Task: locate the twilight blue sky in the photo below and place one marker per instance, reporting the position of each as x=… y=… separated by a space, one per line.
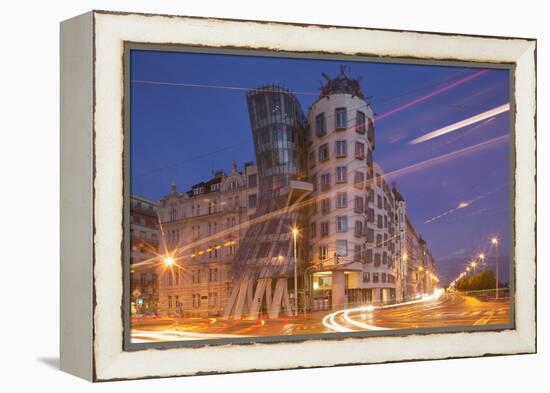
x=182 y=134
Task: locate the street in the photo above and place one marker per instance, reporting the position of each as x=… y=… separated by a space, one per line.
x=439 y=310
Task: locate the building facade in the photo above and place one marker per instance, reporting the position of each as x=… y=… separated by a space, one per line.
x=315 y=177
x=144 y=245
x=266 y=258
x=202 y=229
x=352 y=223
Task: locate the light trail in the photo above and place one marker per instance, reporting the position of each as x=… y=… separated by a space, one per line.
x=463 y=205
x=141 y=336
x=463 y=134
x=181 y=251
x=461 y=124
x=430 y=95
x=329 y=321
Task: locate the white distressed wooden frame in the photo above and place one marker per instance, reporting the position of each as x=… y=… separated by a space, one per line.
x=92 y=194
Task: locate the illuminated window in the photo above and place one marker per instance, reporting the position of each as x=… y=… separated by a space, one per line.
x=342 y=247
x=323 y=251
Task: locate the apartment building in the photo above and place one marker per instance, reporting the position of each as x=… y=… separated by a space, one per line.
x=202 y=228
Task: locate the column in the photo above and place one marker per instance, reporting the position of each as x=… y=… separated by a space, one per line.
x=338 y=289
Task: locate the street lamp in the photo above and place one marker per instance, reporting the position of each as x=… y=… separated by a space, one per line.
x=168 y=261
x=295 y=235
x=495 y=242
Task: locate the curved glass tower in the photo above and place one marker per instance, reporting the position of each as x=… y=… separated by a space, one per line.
x=278 y=129
x=266 y=255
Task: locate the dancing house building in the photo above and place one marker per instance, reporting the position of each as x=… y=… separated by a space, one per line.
x=320 y=228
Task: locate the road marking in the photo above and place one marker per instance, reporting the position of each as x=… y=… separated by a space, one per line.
x=484 y=320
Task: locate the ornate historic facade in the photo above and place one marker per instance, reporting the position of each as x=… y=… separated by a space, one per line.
x=205 y=226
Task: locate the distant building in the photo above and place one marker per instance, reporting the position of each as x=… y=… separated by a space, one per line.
x=205 y=226
x=144 y=245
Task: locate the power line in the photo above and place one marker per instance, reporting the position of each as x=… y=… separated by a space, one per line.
x=197 y=157
x=205 y=86
x=268 y=90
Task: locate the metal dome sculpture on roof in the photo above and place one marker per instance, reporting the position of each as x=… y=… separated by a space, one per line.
x=341 y=84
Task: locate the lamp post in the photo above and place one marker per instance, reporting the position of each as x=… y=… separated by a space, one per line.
x=295 y=235
x=495 y=242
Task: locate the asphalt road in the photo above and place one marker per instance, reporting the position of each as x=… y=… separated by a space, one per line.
x=450 y=309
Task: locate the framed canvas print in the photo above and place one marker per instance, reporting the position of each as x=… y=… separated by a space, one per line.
x=244 y=195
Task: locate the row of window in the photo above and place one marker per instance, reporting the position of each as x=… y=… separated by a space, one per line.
x=143 y=279
x=378 y=277
x=360 y=230
x=341 y=177
x=215 y=251
x=233 y=185
x=341 y=198
x=341 y=122
x=173 y=301
x=173 y=277
x=143 y=235
x=173 y=235
x=360 y=254
x=231 y=203
x=341 y=151
x=139 y=220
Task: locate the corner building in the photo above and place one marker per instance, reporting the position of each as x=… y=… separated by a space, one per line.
x=352 y=229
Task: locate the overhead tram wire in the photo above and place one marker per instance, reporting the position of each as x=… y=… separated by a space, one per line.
x=246 y=89
x=204 y=86
x=242 y=88
x=194 y=158
x=328 y=116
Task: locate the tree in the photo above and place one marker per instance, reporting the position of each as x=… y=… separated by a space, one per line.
x=482 y=280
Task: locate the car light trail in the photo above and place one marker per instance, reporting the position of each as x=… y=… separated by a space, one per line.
x=461 y=124
x=463 y=205
x=431 y=94
x=329 y=321
x=139 y=336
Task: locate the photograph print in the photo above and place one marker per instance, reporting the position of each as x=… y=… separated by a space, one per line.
x=279 y=196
